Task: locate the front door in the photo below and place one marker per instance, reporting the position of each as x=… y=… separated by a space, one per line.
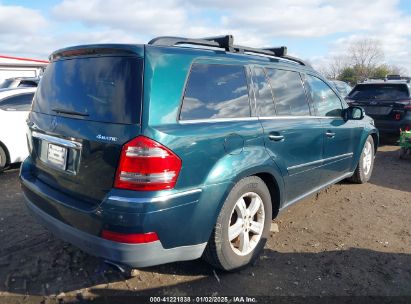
x=292 y=136
x=340 y=137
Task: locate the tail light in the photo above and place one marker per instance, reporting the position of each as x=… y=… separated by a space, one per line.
x=397 y=116
x=147 y=165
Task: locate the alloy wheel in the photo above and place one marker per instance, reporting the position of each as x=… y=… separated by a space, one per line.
x=246 y=223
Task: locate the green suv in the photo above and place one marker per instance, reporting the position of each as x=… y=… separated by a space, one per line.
x=184 y=148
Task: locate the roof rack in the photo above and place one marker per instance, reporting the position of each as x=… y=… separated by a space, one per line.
x=278 y=51
x=226 y=42
x=387 y=79
x=393 y=77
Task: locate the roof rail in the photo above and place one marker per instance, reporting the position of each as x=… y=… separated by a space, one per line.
x=277 y=52
x=226 y=42
x=379 y=79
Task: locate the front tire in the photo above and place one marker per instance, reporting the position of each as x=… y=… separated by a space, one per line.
x=242 y=226
x=365 y=166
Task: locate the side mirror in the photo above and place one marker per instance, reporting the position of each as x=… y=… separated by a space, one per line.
x=353 y=113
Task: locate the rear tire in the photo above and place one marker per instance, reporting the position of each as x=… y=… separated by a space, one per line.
x=3 y=159
x=365 y=166
x=242 y=226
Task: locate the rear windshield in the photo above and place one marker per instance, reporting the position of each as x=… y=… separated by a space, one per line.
x=380 y=91
x=106 y=89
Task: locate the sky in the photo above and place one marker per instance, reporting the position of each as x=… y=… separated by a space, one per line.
x=314 y=30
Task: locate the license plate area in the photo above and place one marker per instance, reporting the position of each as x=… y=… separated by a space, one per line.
x=57 y=156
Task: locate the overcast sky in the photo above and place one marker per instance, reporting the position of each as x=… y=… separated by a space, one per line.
x=312 y=29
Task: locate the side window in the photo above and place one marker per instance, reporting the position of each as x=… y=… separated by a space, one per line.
x=216 y=91
x=288 y=93
x=17 y=103
x=263 y=94
x=326 y=102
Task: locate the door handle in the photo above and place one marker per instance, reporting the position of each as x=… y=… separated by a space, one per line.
x=330 y=134
x=276 y=137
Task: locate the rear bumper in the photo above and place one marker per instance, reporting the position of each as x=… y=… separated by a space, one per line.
x=183 y=220
x=140 y=255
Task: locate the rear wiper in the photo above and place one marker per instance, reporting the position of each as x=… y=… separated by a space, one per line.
x=64 y=111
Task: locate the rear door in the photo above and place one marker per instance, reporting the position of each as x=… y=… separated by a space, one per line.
x=216 y=117
x=85 y=109
x=341 y=138
x=292 y=136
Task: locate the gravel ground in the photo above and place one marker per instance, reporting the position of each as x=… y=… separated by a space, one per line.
x=348 y=240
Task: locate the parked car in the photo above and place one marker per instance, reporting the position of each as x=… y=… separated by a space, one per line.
x=14 y=108
x=388 y=102
x=16 y=82
x=149 y=154
x=342 y=87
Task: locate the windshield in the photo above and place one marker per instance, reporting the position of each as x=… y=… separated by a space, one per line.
x=380 y=92
x=106 y=89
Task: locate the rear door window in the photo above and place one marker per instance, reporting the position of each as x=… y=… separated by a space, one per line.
x=17 y=103
x=289 y=95
x=380 y=92
x=216 y=91
x=105 y=89
x=326 y=102
x=263 y=94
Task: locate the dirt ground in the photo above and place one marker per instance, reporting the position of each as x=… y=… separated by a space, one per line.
x=347 y=240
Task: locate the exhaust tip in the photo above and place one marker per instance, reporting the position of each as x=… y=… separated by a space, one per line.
x=127 y=271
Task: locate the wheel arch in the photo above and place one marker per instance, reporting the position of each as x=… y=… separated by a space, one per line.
x=376 y=139
x=357 y=153
x=272 y=179
x=217 y=188
x=274 y=189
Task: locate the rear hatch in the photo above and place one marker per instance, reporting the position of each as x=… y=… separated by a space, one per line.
x=87 y=106
x=385 y=101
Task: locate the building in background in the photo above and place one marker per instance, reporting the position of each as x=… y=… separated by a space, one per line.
x=20 y=67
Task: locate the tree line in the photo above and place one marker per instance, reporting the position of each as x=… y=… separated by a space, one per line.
x=363 y=58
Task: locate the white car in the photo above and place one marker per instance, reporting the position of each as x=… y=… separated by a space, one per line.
x=15 y=105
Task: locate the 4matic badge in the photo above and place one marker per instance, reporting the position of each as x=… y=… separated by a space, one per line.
x=108 y=138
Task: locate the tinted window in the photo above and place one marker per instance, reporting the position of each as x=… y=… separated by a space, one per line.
x=263 y=95
x=215 y=91
x=17 y=103
x=326 y=102
x=380 y=91
x=288 y=93
x=106 y=89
